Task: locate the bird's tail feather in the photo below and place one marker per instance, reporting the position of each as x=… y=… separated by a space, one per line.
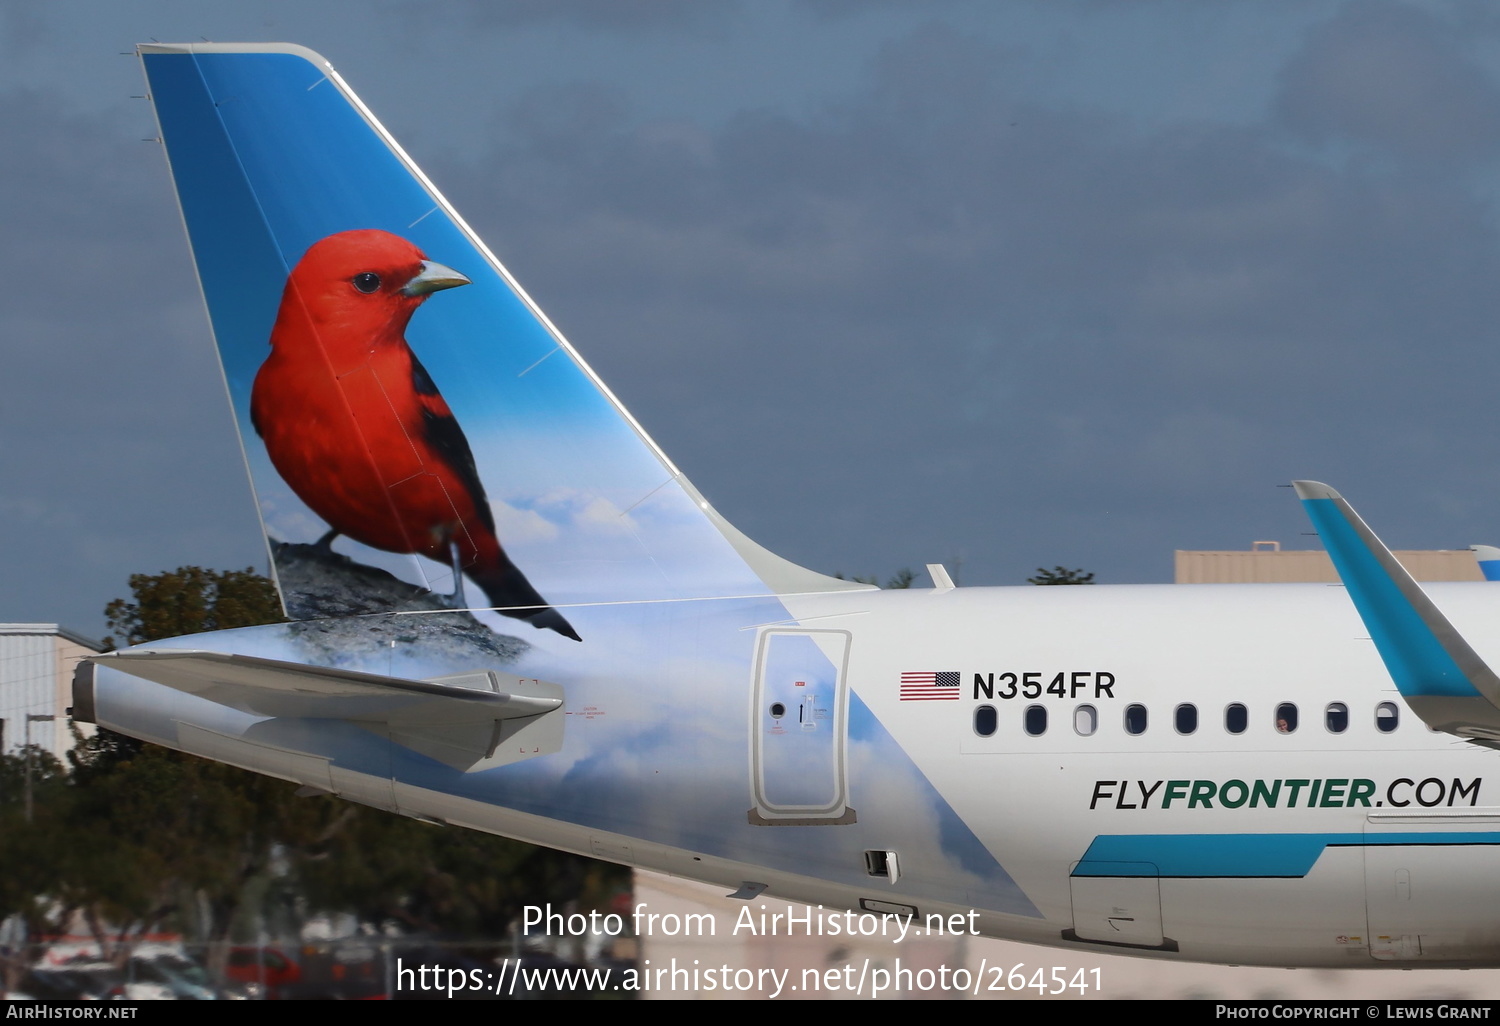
x=511 y=594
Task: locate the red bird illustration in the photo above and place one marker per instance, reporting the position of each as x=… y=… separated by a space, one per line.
x=356 y=427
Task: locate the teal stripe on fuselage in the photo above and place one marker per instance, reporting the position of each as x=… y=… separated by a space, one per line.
x=1239 y=855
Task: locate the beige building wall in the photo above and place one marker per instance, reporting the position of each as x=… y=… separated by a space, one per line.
x=36 y=679
x=1268 y=565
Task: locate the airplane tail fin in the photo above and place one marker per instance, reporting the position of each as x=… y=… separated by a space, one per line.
x=1488 y=558
x=408 y=415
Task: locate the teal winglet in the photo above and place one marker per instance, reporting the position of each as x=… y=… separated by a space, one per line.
x=1441 y=677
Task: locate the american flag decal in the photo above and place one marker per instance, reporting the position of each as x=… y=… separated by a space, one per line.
x=930 y=686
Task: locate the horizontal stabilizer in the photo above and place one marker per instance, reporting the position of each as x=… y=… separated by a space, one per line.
x=1437 y=672
x=463 y=721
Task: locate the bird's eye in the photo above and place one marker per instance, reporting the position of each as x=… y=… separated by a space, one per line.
x=367 y=282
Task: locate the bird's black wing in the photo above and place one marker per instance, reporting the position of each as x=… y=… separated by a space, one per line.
x=442 y=432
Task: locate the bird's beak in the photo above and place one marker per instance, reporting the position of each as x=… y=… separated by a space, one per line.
x=434 y=278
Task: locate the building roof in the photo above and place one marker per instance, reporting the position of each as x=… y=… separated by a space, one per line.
x=52 y=629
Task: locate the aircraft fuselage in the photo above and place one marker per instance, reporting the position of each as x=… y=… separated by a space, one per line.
x=1027 y=753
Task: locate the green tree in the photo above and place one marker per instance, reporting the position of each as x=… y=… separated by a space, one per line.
x=902 y=578
x=187 y=833
x=1060 y=575
x=191 y=600
x=445 y=881
x=34 y=852
x=190 y=835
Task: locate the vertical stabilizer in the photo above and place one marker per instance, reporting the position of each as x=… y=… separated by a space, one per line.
x=1488 y=558
x=418 y=434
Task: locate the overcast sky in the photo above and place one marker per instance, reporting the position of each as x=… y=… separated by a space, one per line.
x=1015 y=285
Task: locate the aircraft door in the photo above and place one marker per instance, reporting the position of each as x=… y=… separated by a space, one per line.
x=1123 y=907
x=799 y=729
x=1432 y=886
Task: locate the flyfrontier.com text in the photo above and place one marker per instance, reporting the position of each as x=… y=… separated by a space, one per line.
x=1306 y=793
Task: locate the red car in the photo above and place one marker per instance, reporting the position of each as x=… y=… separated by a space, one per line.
x=270 y=968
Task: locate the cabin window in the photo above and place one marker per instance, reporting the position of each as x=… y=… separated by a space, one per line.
x=1386 y=717
x=1135 y=719
x=1085 y=720
x=1286 y=718
x=1036 y=720
x=1337 y=718
x=1186 y=718
x=1236 y=719
x=984 y=720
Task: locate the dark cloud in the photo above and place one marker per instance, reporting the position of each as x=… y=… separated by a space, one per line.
x=118 y=456
x=690 y=16
x=1395 y=78
x=943 y=315
x=831 y=10
x=23 y=26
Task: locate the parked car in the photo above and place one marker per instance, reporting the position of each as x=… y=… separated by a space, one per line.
x=181 y=978
x=273 y=969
